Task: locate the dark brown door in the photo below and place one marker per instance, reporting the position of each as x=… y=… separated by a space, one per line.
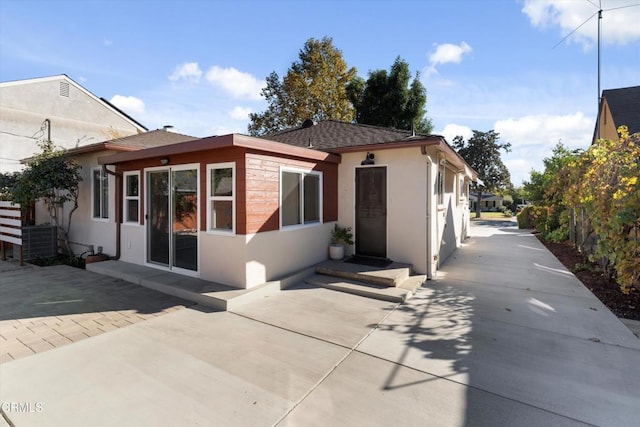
x=371 y=211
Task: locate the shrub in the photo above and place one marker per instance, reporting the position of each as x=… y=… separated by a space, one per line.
x=533 y=217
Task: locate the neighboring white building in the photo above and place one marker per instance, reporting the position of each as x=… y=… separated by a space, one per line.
x=490 y=202
x=58 y=109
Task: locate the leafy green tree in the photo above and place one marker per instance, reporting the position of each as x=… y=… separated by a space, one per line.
x=482 y=153
x=549 y=189
x=8 y=180
x=391 y=99
x=54 y=179
x=315 y=87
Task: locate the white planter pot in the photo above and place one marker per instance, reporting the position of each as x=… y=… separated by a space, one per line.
x=336 y=251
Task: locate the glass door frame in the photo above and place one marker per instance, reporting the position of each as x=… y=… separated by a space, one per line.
x=170 y=169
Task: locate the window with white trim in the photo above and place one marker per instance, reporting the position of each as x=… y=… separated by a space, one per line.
x=132 y=197
x=221 y=190
x=100 y=190
x=440 y=185
x=300 y=197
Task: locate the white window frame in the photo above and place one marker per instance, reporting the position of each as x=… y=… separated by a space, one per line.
x=232 y=198
x=97 y=216
x=440 y=183
x=302 y=172
x=126 y=198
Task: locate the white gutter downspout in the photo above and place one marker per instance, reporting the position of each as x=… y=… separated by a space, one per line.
x=118 y=178
x=429 y=218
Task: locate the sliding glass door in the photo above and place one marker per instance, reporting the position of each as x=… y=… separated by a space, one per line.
x=172 y=218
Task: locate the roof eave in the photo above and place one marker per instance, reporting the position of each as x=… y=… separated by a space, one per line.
x=218 y=142
x=427 y=141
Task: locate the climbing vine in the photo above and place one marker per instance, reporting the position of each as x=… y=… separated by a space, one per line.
x=604 y=183
x=609 y=190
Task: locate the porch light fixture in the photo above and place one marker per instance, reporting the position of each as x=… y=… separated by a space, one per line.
x=164 y=161
x=368 y=160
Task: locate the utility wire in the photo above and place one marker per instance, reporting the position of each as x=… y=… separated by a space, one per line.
x=600 y=10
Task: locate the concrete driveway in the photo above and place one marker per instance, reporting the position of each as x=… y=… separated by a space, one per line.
x=505 y=337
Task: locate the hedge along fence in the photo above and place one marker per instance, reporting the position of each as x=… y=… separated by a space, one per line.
x=534 y=217
x=10 y=228
x=581 y=232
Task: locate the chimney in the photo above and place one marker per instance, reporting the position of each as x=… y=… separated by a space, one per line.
x=168 y=128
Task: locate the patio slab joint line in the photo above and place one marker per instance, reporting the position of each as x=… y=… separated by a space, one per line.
x=338 y=363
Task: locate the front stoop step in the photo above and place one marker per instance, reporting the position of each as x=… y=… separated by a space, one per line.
x=369 y=290
x=393 y=275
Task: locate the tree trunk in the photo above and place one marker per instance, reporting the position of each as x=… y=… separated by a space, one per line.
x=479 y=192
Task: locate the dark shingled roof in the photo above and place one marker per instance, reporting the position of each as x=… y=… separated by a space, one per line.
x=330 y=135
x=624 y=104
x=140 y=141
x=152 y=138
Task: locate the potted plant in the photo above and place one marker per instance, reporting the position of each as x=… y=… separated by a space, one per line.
x=339 y=237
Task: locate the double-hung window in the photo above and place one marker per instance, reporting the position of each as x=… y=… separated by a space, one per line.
x=100 y=184
x=132 y=197
x=221 y=190
x=300 y=197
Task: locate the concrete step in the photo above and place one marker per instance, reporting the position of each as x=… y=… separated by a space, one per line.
x=370 y=290
x=392 y=275
x=209 y=294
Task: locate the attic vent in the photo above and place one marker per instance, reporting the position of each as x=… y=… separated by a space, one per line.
x=64 y=89
x=307 y=123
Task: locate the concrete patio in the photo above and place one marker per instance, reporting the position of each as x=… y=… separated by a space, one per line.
x=505 y=336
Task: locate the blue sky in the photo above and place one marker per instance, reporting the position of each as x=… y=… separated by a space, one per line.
x=200 y=65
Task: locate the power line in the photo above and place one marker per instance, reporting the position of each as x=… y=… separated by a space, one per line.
x=19 y=136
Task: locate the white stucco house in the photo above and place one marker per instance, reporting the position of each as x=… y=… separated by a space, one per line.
x=58 y=109
x=94 y=222
x=490 y=202
x=241 y=211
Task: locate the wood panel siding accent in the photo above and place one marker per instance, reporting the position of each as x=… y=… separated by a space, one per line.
x=262 y=192
x=263 y=189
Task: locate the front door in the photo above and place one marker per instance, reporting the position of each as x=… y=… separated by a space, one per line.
x=172 y=218
x=371 y=211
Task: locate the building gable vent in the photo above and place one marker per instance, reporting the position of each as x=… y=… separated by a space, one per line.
x=64 y=89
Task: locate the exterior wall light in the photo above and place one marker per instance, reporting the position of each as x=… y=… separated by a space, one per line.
x=164 y=161
x=368 y=160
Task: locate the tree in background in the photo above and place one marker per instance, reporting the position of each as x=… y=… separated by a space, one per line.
x=549 y=190
x=391 y=99
x=54 y=179
x=482 y=153
x=315 y=87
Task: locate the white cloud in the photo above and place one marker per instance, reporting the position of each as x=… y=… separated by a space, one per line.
x=533 y=137
x=189 y=71
x=237 y=83
x=240 y=113
x=619 y=19
x=446 y=53
x=107 y=42
x=574 y=130
x=129 y=104
x=449 y=53
x=452 y=130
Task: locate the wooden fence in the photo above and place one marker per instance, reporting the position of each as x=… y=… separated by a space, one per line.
x=10 y=228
